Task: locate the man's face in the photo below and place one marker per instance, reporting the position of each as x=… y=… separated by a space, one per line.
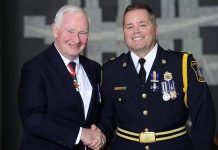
x=72 y=35
x=139 y=31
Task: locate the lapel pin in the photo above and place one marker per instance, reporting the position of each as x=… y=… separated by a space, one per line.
x=124 y=65
x=163 y=61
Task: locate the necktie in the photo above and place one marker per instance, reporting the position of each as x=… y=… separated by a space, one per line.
x=72 y=70
x=142 y=72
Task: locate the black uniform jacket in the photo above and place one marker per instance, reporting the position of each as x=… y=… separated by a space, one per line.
x=50 y=107
x=136 y=107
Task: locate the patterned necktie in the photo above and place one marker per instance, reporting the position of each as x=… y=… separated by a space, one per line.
x=142 y=72
x=72 y=70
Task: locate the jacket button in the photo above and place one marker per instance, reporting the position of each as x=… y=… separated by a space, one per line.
x=144 y=95
x=145 y=112
x=147 y=148
x=146 y=129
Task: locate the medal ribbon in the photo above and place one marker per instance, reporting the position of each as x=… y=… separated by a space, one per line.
x=163 y=87
x=154 y=77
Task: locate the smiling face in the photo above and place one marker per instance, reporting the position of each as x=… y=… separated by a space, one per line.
x=71 y=35
x=139 y=32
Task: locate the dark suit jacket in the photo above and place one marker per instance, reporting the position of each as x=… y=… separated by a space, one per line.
x=51 y=109
x=134 y=106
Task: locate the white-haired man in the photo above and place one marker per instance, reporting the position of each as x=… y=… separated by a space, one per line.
x=59 y=99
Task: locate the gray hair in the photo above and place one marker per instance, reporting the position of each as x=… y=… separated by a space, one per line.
x=64 y=9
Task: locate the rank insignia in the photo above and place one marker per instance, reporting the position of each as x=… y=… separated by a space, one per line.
x=197 y=71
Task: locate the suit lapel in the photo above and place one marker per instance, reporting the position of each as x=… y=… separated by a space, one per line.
x=60 y=68
x=93 y=81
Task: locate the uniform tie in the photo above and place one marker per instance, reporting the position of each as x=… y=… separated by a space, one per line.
x=72 y=70
x=142 y=72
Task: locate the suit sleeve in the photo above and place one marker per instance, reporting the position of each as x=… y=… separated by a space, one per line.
x=33 y=107
x=201 y=108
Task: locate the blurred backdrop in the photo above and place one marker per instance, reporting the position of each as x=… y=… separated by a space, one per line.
x=25 y=28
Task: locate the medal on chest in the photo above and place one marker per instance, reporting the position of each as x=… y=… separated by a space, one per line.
x=154 y=80
x=168 y=88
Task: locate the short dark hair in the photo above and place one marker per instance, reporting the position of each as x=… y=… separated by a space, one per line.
x=136 y=6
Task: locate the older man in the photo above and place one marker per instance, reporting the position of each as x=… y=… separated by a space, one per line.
x=59 y=90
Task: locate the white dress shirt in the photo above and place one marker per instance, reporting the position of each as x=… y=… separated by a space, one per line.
x=150 y=57
x=85 y=87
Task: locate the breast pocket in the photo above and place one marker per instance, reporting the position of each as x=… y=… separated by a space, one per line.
x=123 y=106
x=168 y=108
x=121 y=97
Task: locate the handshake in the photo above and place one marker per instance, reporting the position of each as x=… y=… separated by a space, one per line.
x=93 y=138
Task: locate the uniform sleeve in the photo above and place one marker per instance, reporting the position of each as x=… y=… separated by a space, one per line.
x=201 y=108
x=107 y=116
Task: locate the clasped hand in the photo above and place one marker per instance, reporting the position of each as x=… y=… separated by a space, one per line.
x=93 y=138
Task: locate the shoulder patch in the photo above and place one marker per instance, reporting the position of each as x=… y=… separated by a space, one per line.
x=196 y=69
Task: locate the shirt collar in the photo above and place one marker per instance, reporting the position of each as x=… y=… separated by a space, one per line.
x=67 y=61
x=149 y=57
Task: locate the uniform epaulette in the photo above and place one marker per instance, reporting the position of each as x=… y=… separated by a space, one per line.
x=180 y=52
x=186 y=52
x=109 y=60
x=173 y=51
x=113 y=58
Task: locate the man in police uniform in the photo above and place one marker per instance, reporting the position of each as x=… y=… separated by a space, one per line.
x=149 y=93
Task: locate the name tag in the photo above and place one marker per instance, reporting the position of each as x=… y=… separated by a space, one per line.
x=120 y=88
